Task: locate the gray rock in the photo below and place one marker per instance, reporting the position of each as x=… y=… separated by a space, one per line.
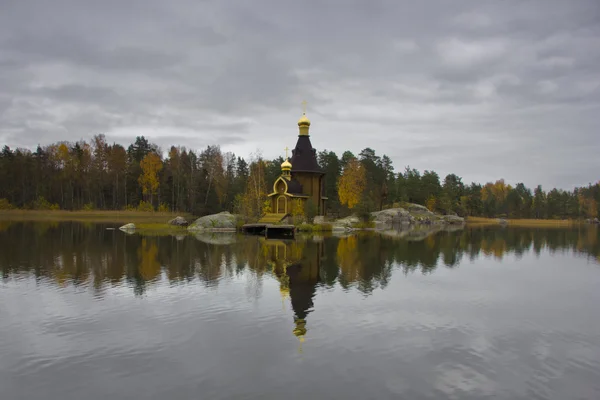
x=502 y=221
x=345 y=223
x=417 y=208
x=319 y=219
x=220 y=221
x=178 y=221
x=392 y=216
x=128 y=227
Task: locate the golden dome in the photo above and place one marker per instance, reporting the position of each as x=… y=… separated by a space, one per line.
x=303 y=121
x=300 y=329
x=286 y=165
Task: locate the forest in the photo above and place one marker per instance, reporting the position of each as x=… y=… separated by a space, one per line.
x=96 y=175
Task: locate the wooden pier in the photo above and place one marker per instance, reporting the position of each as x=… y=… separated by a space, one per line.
x=269 y=230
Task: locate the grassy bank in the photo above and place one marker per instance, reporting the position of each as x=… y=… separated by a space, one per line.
x=91 y=216
x=314 y=228
x=525 y=223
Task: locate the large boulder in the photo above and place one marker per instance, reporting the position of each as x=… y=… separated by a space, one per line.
x=178 y=221
x=220 y=221
x=319 y=219
x=417 y=208
x=393 y=216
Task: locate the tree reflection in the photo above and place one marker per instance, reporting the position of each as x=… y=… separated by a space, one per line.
x=88 y=254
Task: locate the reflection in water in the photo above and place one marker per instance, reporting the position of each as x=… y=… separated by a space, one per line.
x=388 y=315
x=296 y=265
x=74 y=253
x=88 y=254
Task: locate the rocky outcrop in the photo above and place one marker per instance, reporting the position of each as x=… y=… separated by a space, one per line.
x=413 y=214
x=178 y=221
x=393 y=216
x=215 y=222
x=417 y=208
x=410 y=215
x=128 y=227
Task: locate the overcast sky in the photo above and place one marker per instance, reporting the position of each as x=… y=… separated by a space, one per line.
x=484 y=89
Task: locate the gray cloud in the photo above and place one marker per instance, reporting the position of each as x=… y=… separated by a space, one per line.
x=485 y=90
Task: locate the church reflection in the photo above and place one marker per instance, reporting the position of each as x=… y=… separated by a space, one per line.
x=296 y=265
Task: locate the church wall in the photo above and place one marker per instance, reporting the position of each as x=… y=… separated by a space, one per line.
x=311 y=186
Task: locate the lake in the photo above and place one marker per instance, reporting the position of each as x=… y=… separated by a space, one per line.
x=484 y=312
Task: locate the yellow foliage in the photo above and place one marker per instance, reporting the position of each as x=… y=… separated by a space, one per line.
x=148 y=180
x=63 y=154
x=297 y=207
x=145 y=206
x=348 y=258
x=352 y=183
x=431 y=202
x=267 y=206
x=498 y=190
x=251 y=203
x=298 y=211
x=5 y=205
x=149 y=267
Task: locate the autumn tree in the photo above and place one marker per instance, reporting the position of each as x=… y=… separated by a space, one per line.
x=252 y=202
x=352 y=184
x=151 y=165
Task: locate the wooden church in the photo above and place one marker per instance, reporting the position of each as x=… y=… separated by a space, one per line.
x=301 y=179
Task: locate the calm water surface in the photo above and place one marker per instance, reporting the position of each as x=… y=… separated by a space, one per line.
x=91 y=313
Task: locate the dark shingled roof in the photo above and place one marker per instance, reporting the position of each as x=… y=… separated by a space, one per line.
x=304 y=157
x=294 y=187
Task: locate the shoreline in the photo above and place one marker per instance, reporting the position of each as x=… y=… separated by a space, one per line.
x=523 y=223
x=157 y=221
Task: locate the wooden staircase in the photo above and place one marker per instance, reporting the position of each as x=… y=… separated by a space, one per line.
x=272 y=218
